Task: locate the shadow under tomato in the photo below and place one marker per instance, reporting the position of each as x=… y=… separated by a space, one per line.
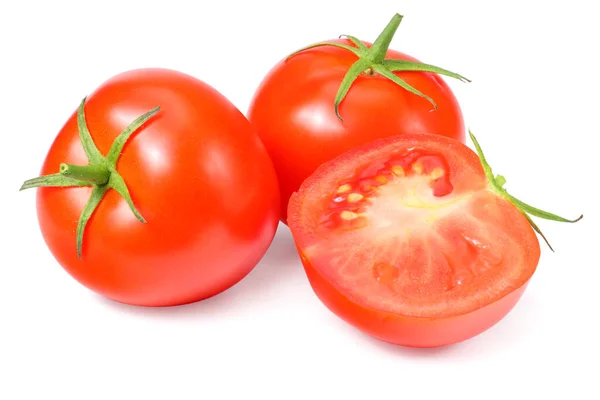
x=279 y=265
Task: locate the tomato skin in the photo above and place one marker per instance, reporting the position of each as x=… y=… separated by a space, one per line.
x=349 y=295
x=293 y=111
x=406 y=330
x=198 y=174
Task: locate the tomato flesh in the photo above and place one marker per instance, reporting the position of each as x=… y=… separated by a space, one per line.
x=407 y=226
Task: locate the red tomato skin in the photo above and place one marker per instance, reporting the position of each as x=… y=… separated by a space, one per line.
x=293 y=111
x=197 y=173
x=406 y=330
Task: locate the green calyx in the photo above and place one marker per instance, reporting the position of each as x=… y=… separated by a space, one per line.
x=100 y=173
x=372 y=61
x=497 y=182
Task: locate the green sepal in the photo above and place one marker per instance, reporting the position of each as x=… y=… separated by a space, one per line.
x=321 y=44
x=372 y=61
x=117 y=183
x=97 y=195
x=496 y=184
x=54 y=180
x=355 y=70
x=537 y=229
x=360 y=45
x=402 y=83
x=100 y=173
x=406 y=65
x=117 y=146
x=91 y=151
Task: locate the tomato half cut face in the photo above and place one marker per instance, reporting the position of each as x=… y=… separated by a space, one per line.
x=404 y=239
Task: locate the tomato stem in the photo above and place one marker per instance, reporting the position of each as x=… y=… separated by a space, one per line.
x=496 y=184
x=101 y=172
x=97 y=174
x=372 y=61
x=382 y=43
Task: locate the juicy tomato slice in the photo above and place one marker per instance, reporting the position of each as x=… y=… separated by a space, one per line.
x=404 y=239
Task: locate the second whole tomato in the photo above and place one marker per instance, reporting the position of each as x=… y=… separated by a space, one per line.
x=159 y=207
x=333 y=96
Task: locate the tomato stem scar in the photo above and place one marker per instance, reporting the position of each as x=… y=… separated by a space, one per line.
x=372 y=61
x=369 y=71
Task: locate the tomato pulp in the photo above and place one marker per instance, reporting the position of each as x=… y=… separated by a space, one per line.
x=405 y=239
x=198 y=175
x=295 y=108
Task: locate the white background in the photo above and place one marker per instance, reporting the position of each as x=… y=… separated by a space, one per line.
x=533 y=104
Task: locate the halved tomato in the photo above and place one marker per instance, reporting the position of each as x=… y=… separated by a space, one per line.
x=413 y=240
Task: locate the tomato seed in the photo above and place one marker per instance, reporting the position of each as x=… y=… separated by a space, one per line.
x=347 y=215
x=344 y=188
x=354 y=197
x=381 y=179
x=417 y=168
x=437 y=173
x=398 y=170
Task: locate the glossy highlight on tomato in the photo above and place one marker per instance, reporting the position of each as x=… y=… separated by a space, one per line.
x=197 y=174
x=406 y=239
x=331 y=97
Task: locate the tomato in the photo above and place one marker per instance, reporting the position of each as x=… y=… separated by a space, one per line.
x=195 y=203
x=337 y=95
x=412 y=240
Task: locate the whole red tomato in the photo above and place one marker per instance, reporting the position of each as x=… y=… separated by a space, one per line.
x=334 y=96
x=174 y=208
